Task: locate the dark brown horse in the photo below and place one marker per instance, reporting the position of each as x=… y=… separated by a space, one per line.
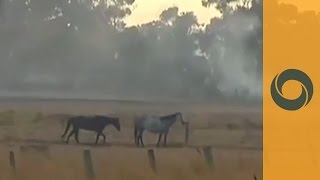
x=90 y=123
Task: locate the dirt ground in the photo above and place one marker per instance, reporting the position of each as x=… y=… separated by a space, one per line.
x=32 y=130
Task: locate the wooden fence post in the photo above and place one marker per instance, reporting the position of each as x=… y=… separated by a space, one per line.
x=88 y=164
x=152 y=160
x=12 y=162
x=186 y=140
x=208 y=155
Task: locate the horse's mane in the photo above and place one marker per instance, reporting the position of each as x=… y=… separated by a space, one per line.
x=166 y=117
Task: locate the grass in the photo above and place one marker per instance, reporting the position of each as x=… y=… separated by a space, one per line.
x=124 y=161
x=130 y=163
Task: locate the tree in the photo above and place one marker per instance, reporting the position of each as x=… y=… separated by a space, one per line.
x=233 y=43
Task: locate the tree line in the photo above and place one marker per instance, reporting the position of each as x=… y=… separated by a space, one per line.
x=85 y=46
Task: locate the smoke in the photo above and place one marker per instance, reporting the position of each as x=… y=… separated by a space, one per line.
x=76 y=50
x=236 y=62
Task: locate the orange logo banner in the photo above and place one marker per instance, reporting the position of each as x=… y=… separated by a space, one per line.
x=291 y=104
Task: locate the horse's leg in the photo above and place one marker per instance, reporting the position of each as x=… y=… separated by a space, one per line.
x=70 y=134
x=97 y=139
x=137 y=139
x=104 y=137
x=140 y=137
x=135 y=134
x=76 y=135
x=165 y=138
x=160 y=135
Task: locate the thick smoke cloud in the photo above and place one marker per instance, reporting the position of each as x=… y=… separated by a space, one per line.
x=84 y=49
x=237 y=62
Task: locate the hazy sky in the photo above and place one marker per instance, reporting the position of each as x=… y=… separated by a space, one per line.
x=148 y=10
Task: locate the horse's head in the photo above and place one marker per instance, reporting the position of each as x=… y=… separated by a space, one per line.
x=116 y=123
x=179 y=116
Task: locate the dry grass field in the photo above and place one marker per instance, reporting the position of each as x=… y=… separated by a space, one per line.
x=32 y=130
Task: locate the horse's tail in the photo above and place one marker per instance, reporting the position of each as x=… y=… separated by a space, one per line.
x=67 y=128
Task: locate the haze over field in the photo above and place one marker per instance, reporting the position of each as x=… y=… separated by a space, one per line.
x=85 y=49
x=201 y=58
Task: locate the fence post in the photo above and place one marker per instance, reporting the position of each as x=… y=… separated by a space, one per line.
x=186 y=140
x=88 y=164
x=12 y=162
x=152 y=160
x=208 y=155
